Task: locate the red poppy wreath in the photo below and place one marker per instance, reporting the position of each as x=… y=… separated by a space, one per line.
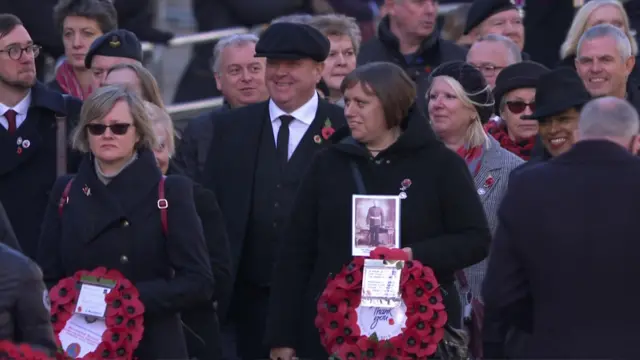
x=115 y=336
x=11 y=351
x=411 y=330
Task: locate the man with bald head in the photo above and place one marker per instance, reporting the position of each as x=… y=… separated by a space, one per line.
x=544 y=268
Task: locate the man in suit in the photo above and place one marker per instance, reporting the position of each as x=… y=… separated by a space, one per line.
x=567 y=229
x=28 y=133
x=257 y=158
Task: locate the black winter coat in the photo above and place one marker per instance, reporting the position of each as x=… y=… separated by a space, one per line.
x=441 y=220
x=119 y=226
x=7 y=236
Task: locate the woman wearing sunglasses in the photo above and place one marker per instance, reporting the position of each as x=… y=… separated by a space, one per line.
x=514 y=93
x=112 y=216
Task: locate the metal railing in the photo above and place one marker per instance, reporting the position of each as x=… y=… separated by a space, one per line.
x=187 y=110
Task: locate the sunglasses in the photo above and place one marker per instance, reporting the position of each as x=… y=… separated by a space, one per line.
x=116 y=129
x=518 y=107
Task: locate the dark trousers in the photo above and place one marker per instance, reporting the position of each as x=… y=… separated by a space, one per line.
x=250 y=320
x=374 y=235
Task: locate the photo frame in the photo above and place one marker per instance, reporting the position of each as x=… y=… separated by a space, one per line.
x=375 y=222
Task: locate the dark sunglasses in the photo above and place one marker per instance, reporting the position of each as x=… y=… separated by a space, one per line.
x=518 y=107
x=116 y=129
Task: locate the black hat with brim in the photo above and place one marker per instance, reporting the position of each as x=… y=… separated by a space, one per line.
x=558 y=90
x=290 y=41
x=116 y=43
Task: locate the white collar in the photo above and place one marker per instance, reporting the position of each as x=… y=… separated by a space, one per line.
x=22 y=108
x=305 y=113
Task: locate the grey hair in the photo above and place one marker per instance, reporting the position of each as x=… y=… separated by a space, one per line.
x=338 y=25
x=294 y=18
x=228 y=41
x=159 y=117
x=515 y=54
x=100 y=103
x=607 y=117
x=605 y=30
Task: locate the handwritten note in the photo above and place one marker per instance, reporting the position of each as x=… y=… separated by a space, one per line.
x=79 y=337
x=91 y=300
x=381 y=284
x=385 y=323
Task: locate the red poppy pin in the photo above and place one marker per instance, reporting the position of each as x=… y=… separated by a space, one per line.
x=403 y=188
x=489 y=181
x=325 y=133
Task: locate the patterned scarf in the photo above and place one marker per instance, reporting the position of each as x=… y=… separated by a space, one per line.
x=66 y=78
x=473 y=157
x=498 y=129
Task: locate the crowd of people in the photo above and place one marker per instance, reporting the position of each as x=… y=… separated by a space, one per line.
x=522 y=178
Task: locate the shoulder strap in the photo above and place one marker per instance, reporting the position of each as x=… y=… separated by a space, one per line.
x=357 y=177
x=61 y=139
x=64 y=198
x=163 y=204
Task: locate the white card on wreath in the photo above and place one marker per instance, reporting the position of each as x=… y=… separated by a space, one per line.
x=375 y=223
x=381 y=283
x=91 y=300
x=80 y=337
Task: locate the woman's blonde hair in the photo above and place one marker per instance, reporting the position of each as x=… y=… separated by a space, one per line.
x=579 y=26
x=150 y=89
x=338 y=25
x=159 y=117
x=475 y=135
x=100 y=103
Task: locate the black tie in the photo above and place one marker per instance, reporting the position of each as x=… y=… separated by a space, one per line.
x=282 y=148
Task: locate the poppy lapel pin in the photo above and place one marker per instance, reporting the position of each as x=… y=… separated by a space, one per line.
x=404 y=185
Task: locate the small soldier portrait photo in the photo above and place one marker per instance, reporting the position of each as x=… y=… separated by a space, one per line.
x=376 y=222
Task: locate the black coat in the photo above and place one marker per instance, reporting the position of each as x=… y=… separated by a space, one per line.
x=7 y=236
x=202 y=326
x=441 y=220
x=119 y=227
x=26 y=178
x=232 y=159
x=545 y=268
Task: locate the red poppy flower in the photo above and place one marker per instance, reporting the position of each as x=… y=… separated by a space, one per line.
x=410 y=271
x=79 y=274
x=99 y=272
x=412 y=341
x=406 y=183
x=104 y=351
x=349 y=352
x=435 y=301
x=418 y=308
x=386 y=253
x=369 y=347
x=136 y=334
x=420 y=323
x=439 y=318
x=116 y=322
x=63 y=292
x=127 y=289
x=116 y=337
x=489 y=181
x=113 y=274
x=133 y=308
x=327 y=131
x=59 y=320
x=351 y=281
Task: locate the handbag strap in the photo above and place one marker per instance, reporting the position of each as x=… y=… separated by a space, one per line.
x=357 y=176
x=163 y=204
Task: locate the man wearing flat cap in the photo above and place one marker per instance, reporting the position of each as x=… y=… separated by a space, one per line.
x=257 y=157
x=500 y=17
x=113 y=48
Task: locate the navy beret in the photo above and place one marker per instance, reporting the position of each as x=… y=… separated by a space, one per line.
x=517 y=76
x=293 y=42
x=116 y=43
x=481 y=10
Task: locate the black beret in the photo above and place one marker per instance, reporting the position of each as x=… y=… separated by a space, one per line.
x=517 y=76
x=481 y=10
x=293 y=42
x=116 y=43
x=473 y=83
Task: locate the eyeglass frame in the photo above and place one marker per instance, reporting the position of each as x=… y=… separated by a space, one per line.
x=33 y=48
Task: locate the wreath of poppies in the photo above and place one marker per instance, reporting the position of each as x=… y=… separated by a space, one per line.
x=123 y=316
x=337 y=319
x=11 y=351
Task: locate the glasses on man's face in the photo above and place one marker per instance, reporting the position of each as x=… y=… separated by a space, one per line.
x=518 y=107
x=116 y=129
x=15 y=52
x=488 y=70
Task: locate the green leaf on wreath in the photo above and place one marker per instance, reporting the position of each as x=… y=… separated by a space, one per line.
x=327 y=123
x=374 y=337
x=399 y=265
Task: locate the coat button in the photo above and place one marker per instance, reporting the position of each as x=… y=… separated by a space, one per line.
x=124 y=259
x=279 y=186
x=125 y=223
x=275 y=224
x=276 y=205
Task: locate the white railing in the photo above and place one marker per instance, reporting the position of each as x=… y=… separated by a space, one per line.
x=188 y=109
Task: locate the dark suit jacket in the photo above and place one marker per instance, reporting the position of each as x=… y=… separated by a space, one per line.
x=232 y=162
x=7 y=236
x=565 y=251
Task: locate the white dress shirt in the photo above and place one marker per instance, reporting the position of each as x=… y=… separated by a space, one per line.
x=21 y=109
x=303 y=117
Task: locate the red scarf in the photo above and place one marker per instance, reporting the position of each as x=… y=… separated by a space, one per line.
x=66 y=78
x=498 y=129
x=473 y=157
